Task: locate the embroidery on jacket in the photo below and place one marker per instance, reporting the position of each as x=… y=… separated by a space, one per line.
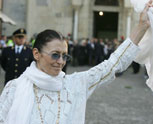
x=110 y=69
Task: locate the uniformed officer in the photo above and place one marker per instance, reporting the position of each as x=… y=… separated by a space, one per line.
x=15 y=59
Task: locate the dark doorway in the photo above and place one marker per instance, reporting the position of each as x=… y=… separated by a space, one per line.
x=106 y=26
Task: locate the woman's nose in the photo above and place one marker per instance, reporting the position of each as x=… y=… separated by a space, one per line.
x=60 y=60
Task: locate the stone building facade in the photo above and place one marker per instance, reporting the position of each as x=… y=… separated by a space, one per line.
x=74 y=17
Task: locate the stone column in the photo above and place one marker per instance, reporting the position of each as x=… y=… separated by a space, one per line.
x=75 y=25
x=128 y=7
x=76 y=4
x=128 y=26
x=1 y=1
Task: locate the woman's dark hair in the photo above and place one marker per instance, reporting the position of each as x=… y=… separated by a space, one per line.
x=46 y=36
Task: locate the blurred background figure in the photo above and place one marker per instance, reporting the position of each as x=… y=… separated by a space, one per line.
x=135 y=67
x=15 y=59
x=91 y=50
x=3 y=41
x=99 y=51
x=75 y=53
x=82 y=53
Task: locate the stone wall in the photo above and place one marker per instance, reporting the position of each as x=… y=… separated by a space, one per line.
x=56 y=15
x=16 y=10
x=84 y=17
x=38 y=15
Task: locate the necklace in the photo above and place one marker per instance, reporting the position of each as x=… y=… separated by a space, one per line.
x=38 y=103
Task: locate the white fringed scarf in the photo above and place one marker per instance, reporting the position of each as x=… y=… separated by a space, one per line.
x=22 y=106
x=145 y=56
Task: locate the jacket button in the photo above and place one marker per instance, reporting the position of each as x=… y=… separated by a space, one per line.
x=15 y=70
x=17 y=59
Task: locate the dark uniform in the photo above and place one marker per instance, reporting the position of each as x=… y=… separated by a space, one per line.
x=15 y=64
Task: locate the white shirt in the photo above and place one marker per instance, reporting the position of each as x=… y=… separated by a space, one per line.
x=76 y=90
x=18 y=49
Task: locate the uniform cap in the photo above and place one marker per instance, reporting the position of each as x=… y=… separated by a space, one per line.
x=20 y=31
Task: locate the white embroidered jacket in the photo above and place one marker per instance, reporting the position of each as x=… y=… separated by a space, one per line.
x=77 y=89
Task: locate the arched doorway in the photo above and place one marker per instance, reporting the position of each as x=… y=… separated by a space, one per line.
x=105 y=22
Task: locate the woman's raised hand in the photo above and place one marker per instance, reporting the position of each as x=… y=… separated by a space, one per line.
x=144 y=20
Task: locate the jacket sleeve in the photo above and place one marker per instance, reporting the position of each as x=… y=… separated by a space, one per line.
x=105 y=71
x=6 y=100
x=3 y=59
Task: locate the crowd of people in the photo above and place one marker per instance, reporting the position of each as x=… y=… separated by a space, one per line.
x=7 y=41
x=84 y=51
x=91 y=51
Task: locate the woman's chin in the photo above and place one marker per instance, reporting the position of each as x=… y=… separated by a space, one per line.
x=55 y=72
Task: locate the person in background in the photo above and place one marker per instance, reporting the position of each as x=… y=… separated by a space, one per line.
x=3 y=41
x=135 y=67
x=15 y=59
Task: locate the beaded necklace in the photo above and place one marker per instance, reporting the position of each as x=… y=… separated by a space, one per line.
x=38 y=103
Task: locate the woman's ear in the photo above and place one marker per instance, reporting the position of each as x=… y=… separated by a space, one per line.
x=36 y=54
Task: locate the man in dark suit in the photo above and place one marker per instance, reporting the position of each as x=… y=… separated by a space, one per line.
x=99 y=52
x=15 y=59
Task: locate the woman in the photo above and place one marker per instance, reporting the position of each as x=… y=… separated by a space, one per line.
x=43 y=94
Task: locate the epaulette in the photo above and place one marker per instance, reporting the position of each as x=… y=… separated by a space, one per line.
x=12 y=47
x=24 y=47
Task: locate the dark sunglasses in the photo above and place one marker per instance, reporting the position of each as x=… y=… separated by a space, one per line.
x=19 y=36
x=56 y=56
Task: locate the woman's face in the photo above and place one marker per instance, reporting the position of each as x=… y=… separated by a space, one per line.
x=44 y=60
